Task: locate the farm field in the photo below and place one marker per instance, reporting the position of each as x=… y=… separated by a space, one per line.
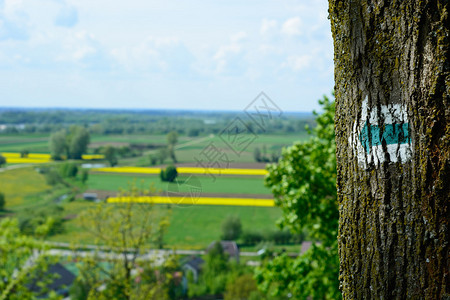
x=191 y=226
x=196 y=226
x=20 y=184
x=207 y=171
x=222 y=184
x=236 y=189
x=194 y=200
x=187 y=149
x=40 y=158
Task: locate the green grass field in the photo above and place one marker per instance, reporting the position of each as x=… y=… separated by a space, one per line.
x=222 y=184
x=272 y=143
x=20 y=185
x=187 y=149
x=197 y=226
x=191 y=227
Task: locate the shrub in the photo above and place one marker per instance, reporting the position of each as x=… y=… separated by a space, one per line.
x=257 y=154
x=252 y=238
x=153 y=160
x=52 y=177
x=124 y=151
x=69 y=170
x=30 y=219
x=280 y=237
x=169 y=174
x=275 y=157
x=192 y=132
x=172 y=154
x=110 y=155
x=2 y=160
x=84 y=176
x=2 y=201
x=24 y=153
x=163 y=153
x=241 y=288
x=231 y=228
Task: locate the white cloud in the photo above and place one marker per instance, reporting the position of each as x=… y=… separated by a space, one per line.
x=12 y=7
x=164 y=45
x=67 y=16
x=267 y=26
x=298 y=63
x=155 y=54
x=227 y=55
x=13 y=21
x=292 y=27
x=238 y=37
x=78 y=46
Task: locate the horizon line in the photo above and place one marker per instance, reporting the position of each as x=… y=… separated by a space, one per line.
x=136 y=109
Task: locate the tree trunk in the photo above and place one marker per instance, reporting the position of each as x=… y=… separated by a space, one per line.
x=392 y=135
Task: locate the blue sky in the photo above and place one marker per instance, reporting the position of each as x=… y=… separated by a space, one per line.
x=210 y=55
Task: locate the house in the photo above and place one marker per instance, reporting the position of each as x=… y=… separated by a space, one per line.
x=60 y=280
x=306 y=245
x=229 y=247
x=90 y=196
x=193 y=265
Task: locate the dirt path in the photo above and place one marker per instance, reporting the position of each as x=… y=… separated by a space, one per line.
x=193 y=142
x=18 y=166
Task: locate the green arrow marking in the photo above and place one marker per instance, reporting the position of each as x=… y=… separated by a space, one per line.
x=373 y=135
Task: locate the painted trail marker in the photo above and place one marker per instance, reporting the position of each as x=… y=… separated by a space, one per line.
x=369 y=135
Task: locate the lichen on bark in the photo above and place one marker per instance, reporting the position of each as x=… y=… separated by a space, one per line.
x=393 y=231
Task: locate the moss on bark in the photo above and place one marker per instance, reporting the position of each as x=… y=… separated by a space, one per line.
x=393 y=232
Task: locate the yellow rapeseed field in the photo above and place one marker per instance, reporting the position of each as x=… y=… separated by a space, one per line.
x=30 y=155
x=36 y=158
x=221 y=171
x=26 y=160
x=139 y=170
x=92 y=156
x=184 y=170
x=194 y=201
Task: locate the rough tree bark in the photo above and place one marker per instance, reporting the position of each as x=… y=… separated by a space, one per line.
x=392 y=134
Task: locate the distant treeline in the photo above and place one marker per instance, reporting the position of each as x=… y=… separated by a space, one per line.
x=190 y=123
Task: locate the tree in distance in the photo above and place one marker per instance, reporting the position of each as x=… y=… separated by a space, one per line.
x=128 y=230
x=24 y=153
x=172 y=139
x=53 y=177
x=193 y=132
x=69 y=170
x=110 y=155
x=153 y=159
x=231 y=228
x=2 y=160
x=84 y=176
x=172 y=154
x=77 y=140
x=73 y=143
x=257 y=154
x=57 y=144
x=169 y=174
x=163 y=153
